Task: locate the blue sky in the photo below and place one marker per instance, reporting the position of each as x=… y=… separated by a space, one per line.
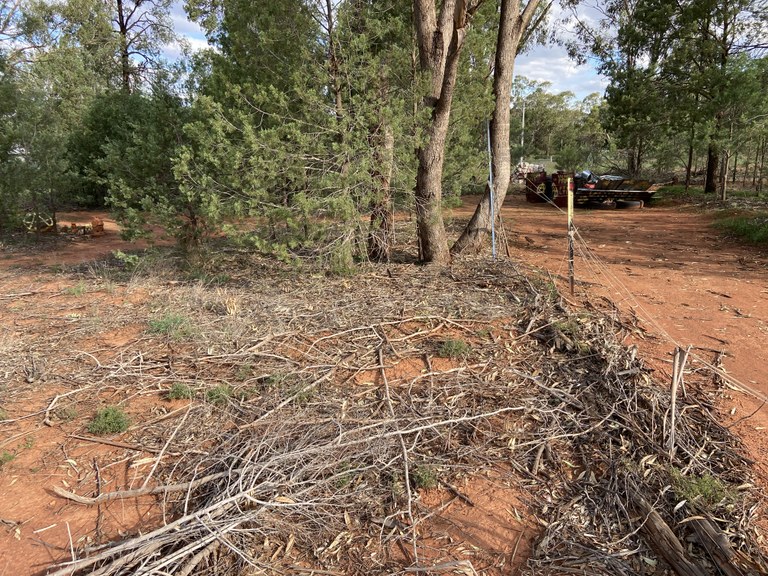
x=542 y=63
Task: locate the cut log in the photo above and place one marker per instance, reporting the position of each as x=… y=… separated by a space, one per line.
x=730 y=562
x=664 y=542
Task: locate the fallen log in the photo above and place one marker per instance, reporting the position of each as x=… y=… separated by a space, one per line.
x=663 y=541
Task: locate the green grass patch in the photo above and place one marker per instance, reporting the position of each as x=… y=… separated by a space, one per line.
x=110 y=420
x=706 y=490
x=750 y=227
x=454 y=348
x=77 y=290
x=179 y=391
x=174 y=326
x=218 y=395
x=6 y=457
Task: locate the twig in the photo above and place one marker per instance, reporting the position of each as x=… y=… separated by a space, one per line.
x=458 y=493
x=47 y=419
x=124 y=494
x=406 y=470
x=114 y=443
x=165 y=447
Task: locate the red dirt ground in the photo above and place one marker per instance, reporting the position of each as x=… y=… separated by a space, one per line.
x=685 y=283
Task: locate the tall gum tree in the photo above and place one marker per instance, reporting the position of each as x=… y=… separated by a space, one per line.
x=513 y=26
x=143 y=27
x=439 y=38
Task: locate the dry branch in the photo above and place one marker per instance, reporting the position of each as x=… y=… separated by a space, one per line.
x=326 y=424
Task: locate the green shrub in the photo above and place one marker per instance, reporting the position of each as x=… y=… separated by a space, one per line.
x=129 y=261
x=180 y=391
x=174 y=326
x=218 y=395
x=110 y=420
x=424 y=477
x=706 y=490
x=454 y=348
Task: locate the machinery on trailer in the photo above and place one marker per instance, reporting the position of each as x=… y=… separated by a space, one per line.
x=588 y=189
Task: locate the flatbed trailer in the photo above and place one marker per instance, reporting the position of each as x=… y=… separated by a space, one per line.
x=585 y=195
x=541 y=187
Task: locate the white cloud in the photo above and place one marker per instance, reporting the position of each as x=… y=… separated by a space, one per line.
x=189 y=32
x=175 y=50
x=552 y=64
x=183 y=25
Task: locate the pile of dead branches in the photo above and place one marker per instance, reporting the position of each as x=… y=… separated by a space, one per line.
x=342 y=399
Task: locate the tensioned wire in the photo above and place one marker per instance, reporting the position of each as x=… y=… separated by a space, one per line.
x=599 y=269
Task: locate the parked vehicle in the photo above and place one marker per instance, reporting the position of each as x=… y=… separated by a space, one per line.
x=588 y=188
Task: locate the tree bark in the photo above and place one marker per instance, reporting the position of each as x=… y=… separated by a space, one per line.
x=713 y=162
x=757 y=161
x=689 y=165
x=663 y=541
x=439 y=43
x=762 y=165
x=125 y=57
x=512 y=26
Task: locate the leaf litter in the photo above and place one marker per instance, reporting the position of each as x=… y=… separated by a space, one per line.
x=334 y=414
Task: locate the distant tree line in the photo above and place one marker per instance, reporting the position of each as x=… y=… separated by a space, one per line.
x=314 y=119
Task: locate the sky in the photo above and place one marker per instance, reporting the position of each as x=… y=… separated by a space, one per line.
x=542 y=63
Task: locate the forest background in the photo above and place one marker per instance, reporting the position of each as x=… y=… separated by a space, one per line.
x=315 y=120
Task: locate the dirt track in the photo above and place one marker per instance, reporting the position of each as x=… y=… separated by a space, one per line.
x=687 y=284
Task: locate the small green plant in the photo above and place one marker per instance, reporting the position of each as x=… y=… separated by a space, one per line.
x=209 y=279
x=180 y=391
x=569 y=327
x=218 y=395
x=174 y=326
x=29 y=443
x=3 y=414
x=454 y=348
x=6 y=457
x=244 y=371
x=706 y=490
x=275 y=380
x=424 y=477
x=485 y=333
x=110 y=420
x=344 y=475
x=67 y=414
x=77 y=290
x=129 y=261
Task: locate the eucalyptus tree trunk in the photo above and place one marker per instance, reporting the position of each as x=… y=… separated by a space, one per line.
x=125 y=57
x=713 y=163
x=512 y=27
x=439 y=38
